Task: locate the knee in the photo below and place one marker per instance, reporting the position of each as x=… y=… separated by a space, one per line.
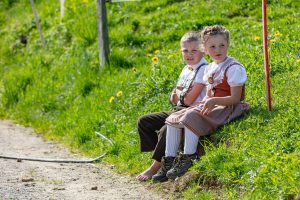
x=142 y=120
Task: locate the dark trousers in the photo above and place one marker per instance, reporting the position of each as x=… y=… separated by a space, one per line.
x=152 y=130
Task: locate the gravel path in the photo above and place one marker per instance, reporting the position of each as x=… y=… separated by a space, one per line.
x=44 y=180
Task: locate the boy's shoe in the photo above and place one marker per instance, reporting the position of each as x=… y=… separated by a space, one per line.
x=166 y=165
x=181 y=165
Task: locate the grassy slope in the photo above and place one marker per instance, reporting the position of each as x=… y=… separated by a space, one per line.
x=62 y=93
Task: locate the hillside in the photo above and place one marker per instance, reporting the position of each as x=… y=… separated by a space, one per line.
x=63 y=93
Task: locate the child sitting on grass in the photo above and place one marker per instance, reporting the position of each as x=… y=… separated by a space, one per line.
x=189 y=90
x=224 y=102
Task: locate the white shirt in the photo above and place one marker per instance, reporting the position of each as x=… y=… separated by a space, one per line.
x=186 y=74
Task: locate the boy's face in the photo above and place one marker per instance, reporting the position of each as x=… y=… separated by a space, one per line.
x=217 y=48
x=191 y=52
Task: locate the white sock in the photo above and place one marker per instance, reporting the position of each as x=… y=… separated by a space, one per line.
x=172 y=140
x=190 y=141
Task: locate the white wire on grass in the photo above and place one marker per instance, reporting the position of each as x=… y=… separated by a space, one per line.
x=53 y=160
x=60 y=160
x=102 y=136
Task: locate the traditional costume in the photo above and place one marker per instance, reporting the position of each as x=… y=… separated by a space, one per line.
x=220 y=77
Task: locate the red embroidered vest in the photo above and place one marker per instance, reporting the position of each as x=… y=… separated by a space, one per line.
x=223 y=89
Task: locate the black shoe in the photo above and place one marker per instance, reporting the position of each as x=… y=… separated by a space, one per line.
x=166 y=165
x=181 y=165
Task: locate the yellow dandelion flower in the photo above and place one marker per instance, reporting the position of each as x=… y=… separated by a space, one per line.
x=277 y=34
x=256 y=38
x=272 y=41
x=120 y=93
x=111 y=99
x=148 y=54
x=155 y=60
x=157 y=51
x=298 y=60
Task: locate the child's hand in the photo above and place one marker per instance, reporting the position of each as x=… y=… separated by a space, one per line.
x=208 y=105
x=178 y=92
x=174 y=98
x=190 y=88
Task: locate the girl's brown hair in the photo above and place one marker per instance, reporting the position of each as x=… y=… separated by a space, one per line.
x=209 y=31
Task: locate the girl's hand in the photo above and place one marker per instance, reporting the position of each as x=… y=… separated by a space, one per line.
x=208 y=105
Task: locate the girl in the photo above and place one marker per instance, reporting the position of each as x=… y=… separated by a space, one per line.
x=224 y=102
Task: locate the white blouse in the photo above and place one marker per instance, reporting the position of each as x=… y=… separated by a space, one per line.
x=236 y=74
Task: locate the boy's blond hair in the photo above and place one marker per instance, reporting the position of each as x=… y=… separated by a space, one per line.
x=191 y=36
x=212 y=31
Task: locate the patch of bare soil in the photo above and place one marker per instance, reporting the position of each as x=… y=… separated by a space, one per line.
x=45 y=180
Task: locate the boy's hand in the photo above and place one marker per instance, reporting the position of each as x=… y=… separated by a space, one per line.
x=190 y=88
x=174 y=97
x=178 y=92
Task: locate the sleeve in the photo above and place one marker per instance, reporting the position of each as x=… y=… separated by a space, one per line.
x=236 y=75
x=199 y=76
x=180 y=78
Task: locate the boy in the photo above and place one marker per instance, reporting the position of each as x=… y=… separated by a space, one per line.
x=190 y=90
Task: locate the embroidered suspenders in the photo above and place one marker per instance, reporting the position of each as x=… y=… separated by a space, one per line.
x=185 y=89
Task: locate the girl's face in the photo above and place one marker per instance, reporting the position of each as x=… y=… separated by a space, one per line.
x=217 y=47
x=191 y=52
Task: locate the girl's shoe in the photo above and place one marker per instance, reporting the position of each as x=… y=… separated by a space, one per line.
x=181 y=165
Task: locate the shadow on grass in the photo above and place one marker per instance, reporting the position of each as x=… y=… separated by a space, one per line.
x=256 y=113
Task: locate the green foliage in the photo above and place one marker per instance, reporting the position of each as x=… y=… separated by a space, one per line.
x=78 y=12
x=63 y=93
x=15 y=86
x=8 y=3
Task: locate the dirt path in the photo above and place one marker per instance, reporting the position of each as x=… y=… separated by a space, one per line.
x=44 y=180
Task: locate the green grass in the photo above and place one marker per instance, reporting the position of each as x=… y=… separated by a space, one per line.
x=63 y=93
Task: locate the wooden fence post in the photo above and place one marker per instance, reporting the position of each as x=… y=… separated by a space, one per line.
x=103 y=40
x=38 y=24
x=62 y=8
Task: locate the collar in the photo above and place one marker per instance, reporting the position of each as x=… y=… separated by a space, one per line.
x=228 y=57
x=194 y=67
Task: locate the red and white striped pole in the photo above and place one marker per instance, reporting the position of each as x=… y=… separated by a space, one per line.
x=266 y=56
